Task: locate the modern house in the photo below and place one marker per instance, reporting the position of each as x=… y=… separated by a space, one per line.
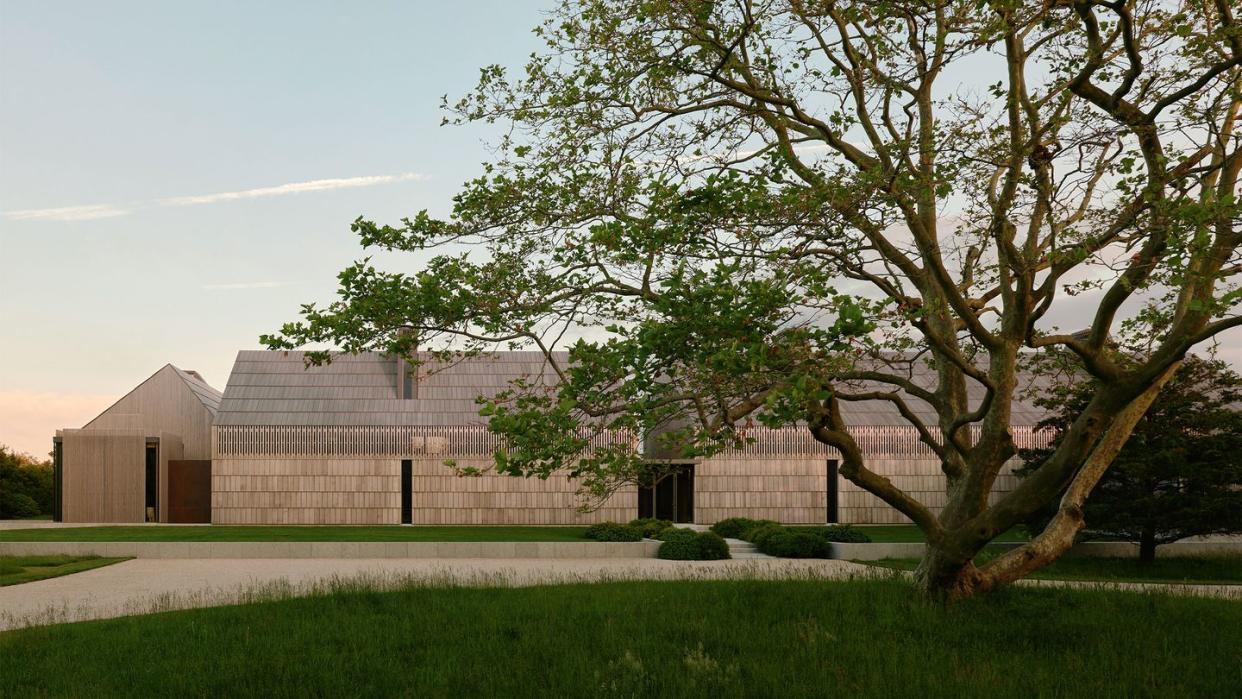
x=367 y=440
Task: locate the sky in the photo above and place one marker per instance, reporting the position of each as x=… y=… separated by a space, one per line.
x=177 y=178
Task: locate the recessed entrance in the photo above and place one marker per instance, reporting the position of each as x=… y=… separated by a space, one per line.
x=671 y=497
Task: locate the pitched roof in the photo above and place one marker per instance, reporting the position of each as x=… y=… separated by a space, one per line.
x=277 y=388
x=208 y=396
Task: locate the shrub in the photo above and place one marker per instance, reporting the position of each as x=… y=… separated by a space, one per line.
x=713 y=547
x=844 y=534
x=759 y=535
x=613 y=531
x=650 y=527
x=677 y=534
x=789 y=544
x=16 y=505
x=733 y=527
x=756 y=525
x=688 y=545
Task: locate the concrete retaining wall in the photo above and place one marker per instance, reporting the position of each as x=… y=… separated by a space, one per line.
x=334 y=549
x=1096 y=549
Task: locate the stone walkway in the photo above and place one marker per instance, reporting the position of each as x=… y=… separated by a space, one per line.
x=142 y=586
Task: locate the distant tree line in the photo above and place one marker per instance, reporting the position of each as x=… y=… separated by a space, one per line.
x=26 y=485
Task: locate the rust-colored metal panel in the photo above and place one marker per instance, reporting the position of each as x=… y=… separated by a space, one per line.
x=189 y=491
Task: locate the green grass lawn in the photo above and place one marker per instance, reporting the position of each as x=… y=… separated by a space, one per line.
x=910 y=534
x=700 y=638
x=1224 y=570
x=295 y=533
x=22 y=569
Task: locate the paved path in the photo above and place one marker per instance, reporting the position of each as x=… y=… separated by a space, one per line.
x=141 y=586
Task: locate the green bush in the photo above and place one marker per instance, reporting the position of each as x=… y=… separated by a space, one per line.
x=760 y=534
x=713 y=547
x=650 y=526
x=844 y=534
x=677 y=534
x=688 y=545
x=17 y=505
x=755 y=526
x=613 y=531
x=733 y=527
x=790 y=544
x=22 y=475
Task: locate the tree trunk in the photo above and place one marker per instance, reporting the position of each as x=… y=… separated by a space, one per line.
x=947 y=577
x=1147 y=546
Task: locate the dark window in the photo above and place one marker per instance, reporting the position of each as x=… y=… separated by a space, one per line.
x=407 y=491
x=153 y=469
x=832 y=491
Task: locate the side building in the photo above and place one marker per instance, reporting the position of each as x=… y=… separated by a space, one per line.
x=119 y=467
x=365 y=440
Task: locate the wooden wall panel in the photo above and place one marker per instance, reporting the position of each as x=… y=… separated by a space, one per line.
x=921 y=477
x=162 y=403
x=171 y=449
x=305 y=490
x=104 y=475
x=440 y=497
x=790 y=489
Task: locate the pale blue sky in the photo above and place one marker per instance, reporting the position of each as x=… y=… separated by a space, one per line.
x=121 y=105
x=123 y=123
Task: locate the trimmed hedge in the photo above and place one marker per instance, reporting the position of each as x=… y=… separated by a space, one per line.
x=677 y=534
x=689 y=545
x=760 y=534
x=733 y=527
x=613 y=531
x=792 y=544
x=651 y=527
x=713 y=547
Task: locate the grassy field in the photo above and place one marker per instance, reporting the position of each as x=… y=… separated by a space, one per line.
x=22 y=569
x=296 y=533
x=700 y=638
x=1223 y=570
x=910 y=534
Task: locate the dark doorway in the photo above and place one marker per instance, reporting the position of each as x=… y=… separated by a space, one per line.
x=152 y=483
x=671 y=497
x=832 y=491
x=407 y=491
x=189 y=492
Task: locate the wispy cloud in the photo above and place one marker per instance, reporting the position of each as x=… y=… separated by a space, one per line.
x=245 y=285
x=66 y=213
x=86 y=213
x=294 y=188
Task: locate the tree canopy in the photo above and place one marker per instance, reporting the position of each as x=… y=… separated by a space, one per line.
x=743 y=211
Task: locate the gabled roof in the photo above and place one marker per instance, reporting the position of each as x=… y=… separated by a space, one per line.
x=277 y=388
x=207 y=395
x=193 y=382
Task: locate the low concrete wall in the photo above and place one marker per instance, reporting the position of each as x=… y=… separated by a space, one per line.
x=1095 y=549
x=334 y=549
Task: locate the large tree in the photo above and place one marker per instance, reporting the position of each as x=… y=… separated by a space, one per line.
x=1179 y=474
x=745 y=210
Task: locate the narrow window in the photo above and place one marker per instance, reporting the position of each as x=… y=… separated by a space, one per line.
x=833 y=515
x=407 y=491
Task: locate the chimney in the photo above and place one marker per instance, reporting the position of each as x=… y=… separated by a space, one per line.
x=407 y=386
